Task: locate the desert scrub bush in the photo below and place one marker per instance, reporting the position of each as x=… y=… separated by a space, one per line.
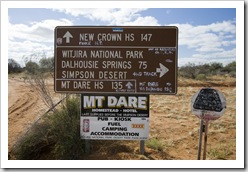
x=14 y=66
x=221 y=152
x=155 y=144
x=65 y=126
x=201 y=77
x=192 y=70
x=57 y=135
x=34 y=143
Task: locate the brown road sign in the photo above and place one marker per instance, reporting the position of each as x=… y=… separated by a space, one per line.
x=116 y=60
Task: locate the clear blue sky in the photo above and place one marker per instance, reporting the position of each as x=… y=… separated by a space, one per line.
x=205 y=34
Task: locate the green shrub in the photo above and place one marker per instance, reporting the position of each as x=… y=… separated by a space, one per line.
x=201 y=77
x=46 y=64
x=232 y=74
x=188 y=71
x=220 y=152
x=34 y=143
x=56 y=137
x=155 y=144
x=66 y=130
x=32 y=67
x=14 y=67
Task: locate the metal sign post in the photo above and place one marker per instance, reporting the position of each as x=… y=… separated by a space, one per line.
x=87 y=146
x=142 y=147
x=205 y=140
x=203 y=129
x=200 y=140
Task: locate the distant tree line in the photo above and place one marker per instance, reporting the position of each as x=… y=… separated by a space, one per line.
x=189 y=70
x=31 y=67
x=202 y=71
x=14 y=67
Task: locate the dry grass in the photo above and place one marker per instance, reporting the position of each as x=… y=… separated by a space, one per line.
x=174 y=130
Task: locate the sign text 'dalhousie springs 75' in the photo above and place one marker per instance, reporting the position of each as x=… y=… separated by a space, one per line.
x=116 y=59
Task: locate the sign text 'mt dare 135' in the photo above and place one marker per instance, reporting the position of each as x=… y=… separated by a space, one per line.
x=116 y=59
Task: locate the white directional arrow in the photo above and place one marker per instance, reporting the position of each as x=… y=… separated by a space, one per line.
x=162 y=70
x=67 y=37
x=129 y=85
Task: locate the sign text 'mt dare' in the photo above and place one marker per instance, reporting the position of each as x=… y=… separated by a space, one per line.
x=114 y=102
